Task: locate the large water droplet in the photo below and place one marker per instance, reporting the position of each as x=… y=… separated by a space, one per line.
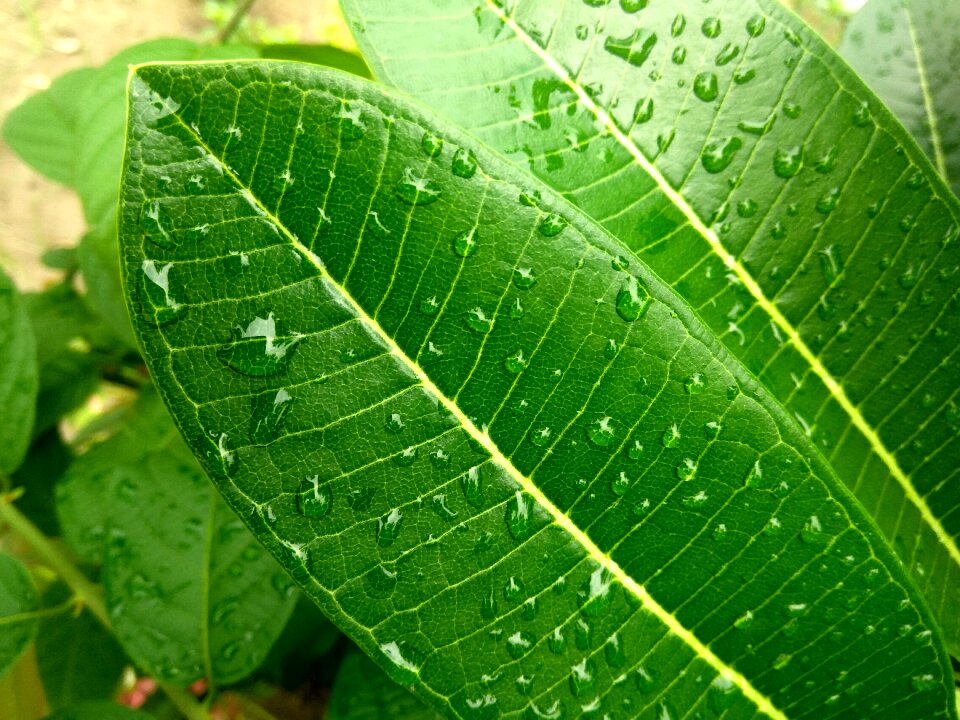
x=582 y=678
x=757 y=127
x=388 y=527
x=155 y=225
x=314 y=499
x=478 y=321
x=718 y=154
x=158 y=305
x=520 y=516
x=711 y=27
x=705 y=86
x=541 y=437
x=632 y=300
x=687 y=469
x=431 y=144
x=259 y=349
x=467 y=243
x=557 y=641
x=828 y=201
x=635 y=49
x=415 y=190
x=515 y=363
x=402 y=664
x=381 y=581
x=438 y=504
x=597 y=592
x=552 y=225
x=520 y=643
x=621 y=484
x=269 y=411
x=614 y=652
x=464 y=163
x=632 y=6
x=394 y=423
x=407 y=457
x=755 y=25
x=812 y=532
x=350 y=122
x=602 y=431
x=472 y=484
x=671 y=436
x=787 y=161
x=722 y=694
x=524 y=277
x=726 y=55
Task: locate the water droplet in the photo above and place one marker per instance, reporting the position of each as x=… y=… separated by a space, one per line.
x=515 y=363
x=686 y=469
x=431 y=144
x=524 y=278
x=718 y=154
x=632 y=6
x=862 y=117
x=541 y=437
x=520 y=516
x=350 y=123
x=557 y=641
x=828 y=201
x=621 y=484
x=644 y=680
x=394 y=423
x=635 y=450
x=438 y=503
x=388 y=527
x=158 y=305
x=722 y=694
x=695 y=501
x=729 y=53
x=679 y=56
x=514 y=589
x=402 y=664
x=742 y=76
x=478 y=321
x=269 y=411
x=381 y=580
x=464 y=163
x=611 y=349
x=754 y=476
x=552 y=225
x=313 y=499
x=407 y=457
x=755 y=25
x=705 y=86
x=711 y=27
x=582 y=678
x=519 y=644
x=812 y=532
x=678 y=25
x=430 y=306
x=516 y=309
x=602 y=431
x=155 y=225
x=787 y=161
x=924 y=682
x=792 y=109
x=467 y=243
x=635 y=49
x=633 y=301
x=711 y=429
x=744 y=621
x=757 y=127
x=596 y=593
x=472 y=484
x=695 y=384
x=440 y=458
x=671 y=436
x=415 y=190
x=916 y=181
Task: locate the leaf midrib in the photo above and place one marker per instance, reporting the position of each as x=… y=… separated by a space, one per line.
x=932 y=120
x=833 y=386
x=762 y=702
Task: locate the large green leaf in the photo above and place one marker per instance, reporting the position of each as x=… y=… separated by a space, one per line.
x=363 y=692
x=512 y=464
x=908 y=51
x=18 y=606
x=189 y=591
x=18 y=379
x=733 y=152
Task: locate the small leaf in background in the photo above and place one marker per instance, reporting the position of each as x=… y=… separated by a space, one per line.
x=18 y=603
x=318 y=55
x=362 y=691
x=100 y=711
x=79 y=659
x=907 y=52
x=45 y=464
x=97 y=256
x=18 y=377
x=190 y=593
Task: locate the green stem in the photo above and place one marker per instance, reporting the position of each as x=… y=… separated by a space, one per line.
x=239 y=14
x=41 y=613
x=85 y=592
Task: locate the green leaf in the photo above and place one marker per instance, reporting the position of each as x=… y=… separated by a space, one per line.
x=18 y=606
x=190 y=593
x=363 y=692
x=514 y=467
x=754 y=173
x=18 y=381
x=100 y=711
x=308 y=636
x=906 y=51
x=45 y=464
x=79 y=660
x=97 y=254
x=318 y=55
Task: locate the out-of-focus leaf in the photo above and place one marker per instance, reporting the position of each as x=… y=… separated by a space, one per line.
x=318 y=55
x=18 y=603
x=79 y=659
x=363 y=691
x=61 y=258
x=100 y=710
x=190 y=592
x=18 y=377
x=97 y=254
x=908 y=51
x=44 y=465
x=307 y=637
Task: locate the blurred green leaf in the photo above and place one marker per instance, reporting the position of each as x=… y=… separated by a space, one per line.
x=318 y=55
x=97 y=255
x=60 y=258
x=307 y=637
x=100 y=711
x=18 y=378
x=190 y=592
x=18 y=602
x=363 y=691
x=46 y=462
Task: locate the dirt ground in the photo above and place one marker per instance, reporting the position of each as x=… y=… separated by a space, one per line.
x=40 y=39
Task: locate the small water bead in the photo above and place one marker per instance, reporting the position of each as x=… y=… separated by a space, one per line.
x=478 y=321
x=516 y=309
x=754 y=477
x=403 y=663
x=679 y=56
x=557 y=641
x=407 y=457
x=718 y=154
x=743 y=76
x=695 y=384
x=635 y=48
x=705 y=86
x=520 y=643
x=722 y=694
x=314 y=499
x=711 y=27
x=528 y=611
x=158 y=305
x=596 y=593
x=350 y=122
x=524 y=278
x=827 y=161
x=582 y=634
x=614 y=652
x=155 y=225
x=756 y=25
x=440 y=458
x=552 y=225
x=269 y=412
x=787 y=161
x=515 y=364
x=621 y=484
x=924 y=682
x=644 y=680
x=642 y=507
x=431 y=144
x=906 y=223
x=862 y=117
x=671 y=436
x=582 y=678
x=472 y=484
x=757 y=127
x=778 y=231
x=916 y=181
x=381 y=581
x=415 y=190
x=687 y=469
x=695 y=501
x=747 y=208
x=726 y=55
x=611 y=349
x=520 y=516
x=678 y=25
x=464 y=163
x=744 y=621
x=620 y=263
x=430 y=306
x=711 y=429
x=602 y=431
x=812 y=532
x=388 y=527
x=827 y=202
x=467 y=243
x=394 y=423
x=633 y=300
x=635 y=450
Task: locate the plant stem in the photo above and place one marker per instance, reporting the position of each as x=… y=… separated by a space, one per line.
x=243 y=7
x=85 y=592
